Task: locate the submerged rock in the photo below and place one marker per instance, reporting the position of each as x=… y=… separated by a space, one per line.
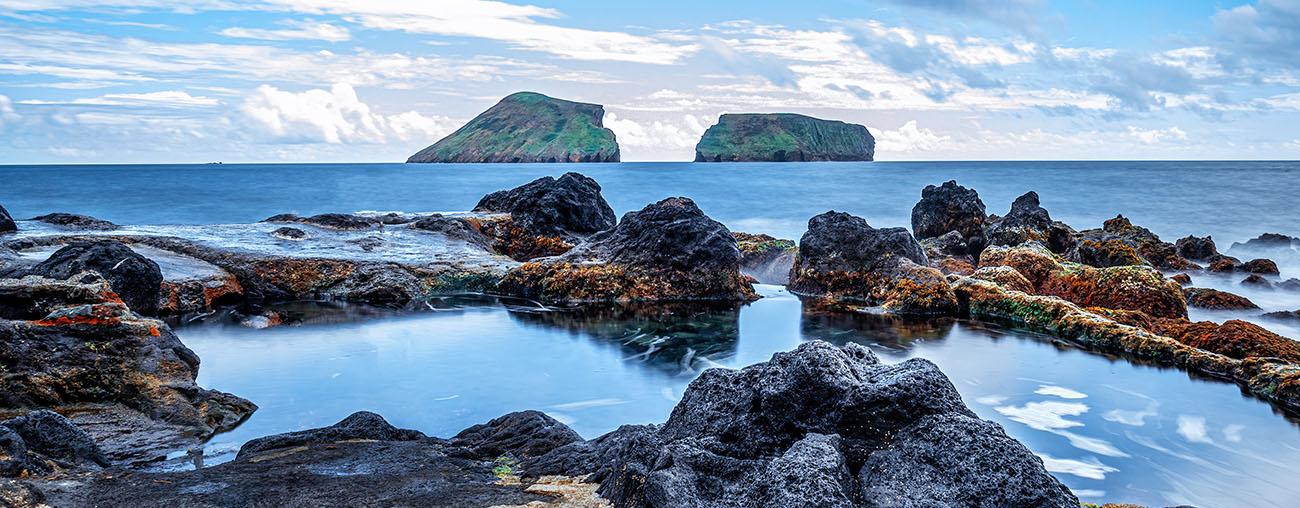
x=546 y=216
x=951 y=207
x=666 y=251
x=783 y=137
x=291 y=234
x=7 y=224
x=528 y=127
x=455 y=228
x=137 y=279
x=1217 y=300
x=767 y=259
x=337 y=221
x=817 y=426
x=1260 y=266
x=843 y=258
x=1257 y=281
x=1267 y=242
x=74 y=221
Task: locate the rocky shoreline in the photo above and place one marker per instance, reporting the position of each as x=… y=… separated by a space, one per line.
x=82 y=302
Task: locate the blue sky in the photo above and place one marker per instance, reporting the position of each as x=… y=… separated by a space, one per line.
x=376 y=80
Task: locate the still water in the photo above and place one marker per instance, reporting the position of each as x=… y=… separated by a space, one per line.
x=1111 y=430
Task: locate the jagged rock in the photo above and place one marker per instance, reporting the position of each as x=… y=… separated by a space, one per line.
x=137 y=279
x=951 y=207
x=529 y=127
x=1260 y=266
x=291 y=234
x=1222 y=265
x=338 y=221
x=1182 y=279
x=20 y=494
x=7 y=224
x=1120 y=243
x=520 y=435
x=783 y=137
x=949 y=253
x=74 y=221
x=1200 y=249
x=1214 y=299
x=89 y=350
x=843 y=258
x=1028 y=221
x=546 y=216
x=768 y=260
x=44 y=437
x=666 y=251
x=787 y=432
x=1005 y=276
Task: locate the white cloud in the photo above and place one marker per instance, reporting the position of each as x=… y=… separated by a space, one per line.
x=1192 y=428
x=334 y=116
x=168 y=98
x=1060 y=391
x=7 y=113
x=1089 y=468
x=909 y=138
x=1156 y=136
x=302 y=30
x=656 y=133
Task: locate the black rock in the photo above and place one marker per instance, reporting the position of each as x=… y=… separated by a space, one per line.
x=789 y=432
x=1121 y=243
x=135 y=278
x=1291 y=284
x=951 y=207
x=1192 y=247
x=1267 y=242
x=367 y=243
x=1284 y=315
x=7 y=224
x=1028 y=221
x=1257 y=280
x=837 y=241
x=339 y=221
x=359 y=425
x=454 y=228
x=672 y=234
x=521 y=435
x=288 y=233
x=52 y=436
x=74 y=221
x=570 y=207
x=13 y=454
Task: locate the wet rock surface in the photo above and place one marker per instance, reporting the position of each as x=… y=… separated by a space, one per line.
x=765 y=258
x=951 y=207
x=570 y=207
x=1206 y=298
x=7 y=224
x=338 y=221
x=1121 y=243
x=843 y=259
x=75 y=221
x=135 y=278
x=667 y=251
x=1197 y=248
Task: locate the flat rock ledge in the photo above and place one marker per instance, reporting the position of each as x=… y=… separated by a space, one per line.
x=817 y=426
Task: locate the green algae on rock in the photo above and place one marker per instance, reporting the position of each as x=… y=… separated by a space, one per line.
x=783 y=137
x=529 y=127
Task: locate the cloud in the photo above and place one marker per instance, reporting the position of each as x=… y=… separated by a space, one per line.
x=1192 y=428
x=656 y=133
x=1089 y=468
x=333 y=116
x=7 y=113
x=1155 y=136
x=1268 y=30
x=908 y=138
x=302 y=30
x=168 y=98
x=1021 y=15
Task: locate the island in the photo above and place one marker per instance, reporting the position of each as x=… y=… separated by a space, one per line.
x=783 y=137
x=529 y=127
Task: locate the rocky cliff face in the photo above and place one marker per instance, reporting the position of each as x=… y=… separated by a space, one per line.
x=783 y=137
x=528 y=127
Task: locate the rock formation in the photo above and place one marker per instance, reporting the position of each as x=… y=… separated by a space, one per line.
x=546 y=216
x=7 y=224
x=666 y=251
x=1028 y=221
x=528 y=127
x=783 y=137
x=768 y=260
x=951 y=207
x=135 y=278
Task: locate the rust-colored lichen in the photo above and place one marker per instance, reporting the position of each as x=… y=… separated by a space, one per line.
x=601 y=282
x=1136 y=288
x=1234 y=338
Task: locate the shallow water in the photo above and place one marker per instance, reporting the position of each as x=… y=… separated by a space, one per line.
x=1111 y=430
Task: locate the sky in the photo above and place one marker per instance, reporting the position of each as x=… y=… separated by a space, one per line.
x=153 y=81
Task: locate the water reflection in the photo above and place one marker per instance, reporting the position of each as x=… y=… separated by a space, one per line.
x=1110 y=429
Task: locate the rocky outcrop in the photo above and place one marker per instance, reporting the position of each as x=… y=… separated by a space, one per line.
x=765 y=258
x=1120 y=243
x=1028 y=221
x=1267 y=242
x=844 y=259
x=1196 y=248
x=336 y=221
x=817 y=426
x=951 y=207
x=783 y=137
x=1234 y=339
x=1214 y=299
x=1136 y=288
x=74 y=346
x=528 y=127
x=135 y=278
x=546 y=217
x=666 y=251
x=1260 y=266
x=43 y=442
x=74 y=221
x=7 y=224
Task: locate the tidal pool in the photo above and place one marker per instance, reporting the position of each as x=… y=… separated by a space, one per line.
x=1110 y=429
